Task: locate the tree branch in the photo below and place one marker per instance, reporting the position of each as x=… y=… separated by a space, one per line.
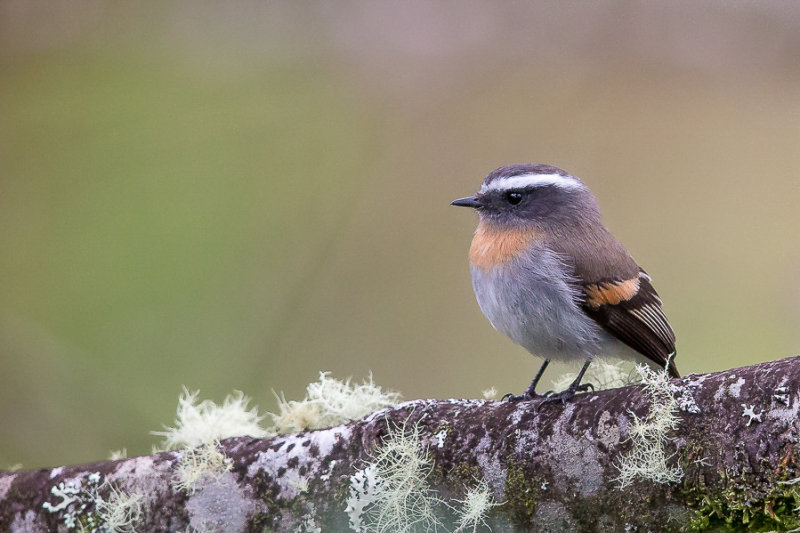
x=733 y=447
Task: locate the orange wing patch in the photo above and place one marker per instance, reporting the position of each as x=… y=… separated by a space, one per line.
x=493 y=246
x=610 y=293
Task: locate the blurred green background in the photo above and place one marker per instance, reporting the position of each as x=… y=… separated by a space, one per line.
x=237 y=195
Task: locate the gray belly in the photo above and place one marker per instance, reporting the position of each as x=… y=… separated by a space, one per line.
x=530 y=301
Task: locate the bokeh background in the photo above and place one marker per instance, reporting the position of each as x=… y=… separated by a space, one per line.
x=237 y=195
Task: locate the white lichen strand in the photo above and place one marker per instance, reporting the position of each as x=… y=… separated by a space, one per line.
x=119 y=512
x=647 y=458
x=330 y=402
x=472 y=510
x=205 y=422
x=201 y=464
x=391 y=494
x=490 y=394
x=116 y=455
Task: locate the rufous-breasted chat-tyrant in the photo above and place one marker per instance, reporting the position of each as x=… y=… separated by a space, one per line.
x=549 y=275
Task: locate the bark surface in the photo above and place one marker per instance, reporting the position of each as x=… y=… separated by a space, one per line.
x=551 y=467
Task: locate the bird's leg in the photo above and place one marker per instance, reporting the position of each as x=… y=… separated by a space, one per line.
x=572 y=389
x=530 y=392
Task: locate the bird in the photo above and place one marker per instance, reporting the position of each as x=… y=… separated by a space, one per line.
x=549 y=275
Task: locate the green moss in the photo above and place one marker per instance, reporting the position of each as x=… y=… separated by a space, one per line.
x=522 y=494
x=737 y=508
x=342 y=492
x=266 y=491
x=737 y=502
x=298 y=506
x=261 y=523
x=437 y=476
x=464 y=475
x=87 y=522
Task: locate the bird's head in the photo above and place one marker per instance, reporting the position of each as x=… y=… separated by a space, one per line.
x=532 y=195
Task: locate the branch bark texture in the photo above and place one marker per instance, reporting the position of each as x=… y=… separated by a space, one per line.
x=550 y=467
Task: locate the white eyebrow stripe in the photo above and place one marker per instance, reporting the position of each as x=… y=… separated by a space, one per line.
x=531 y=180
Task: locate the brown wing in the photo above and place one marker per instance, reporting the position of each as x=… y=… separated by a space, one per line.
x=617 y=292
x=631 y=311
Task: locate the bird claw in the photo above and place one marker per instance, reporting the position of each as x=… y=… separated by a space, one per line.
x=562 y=396
x=518 y=397
x=549 y=396
x=568 y=394
x=515 y=397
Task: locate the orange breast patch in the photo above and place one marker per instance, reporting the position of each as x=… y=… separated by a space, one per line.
x=493 y=246
x=611 y=293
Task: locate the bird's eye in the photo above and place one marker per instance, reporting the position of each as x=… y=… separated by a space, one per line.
x=513 y=197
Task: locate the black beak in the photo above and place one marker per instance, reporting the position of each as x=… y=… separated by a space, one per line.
x=469 y=201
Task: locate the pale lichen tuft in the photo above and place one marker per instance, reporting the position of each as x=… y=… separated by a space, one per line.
x=474 y=507
x=490 y=394
x=206 y=422
x=330 y=402
x=203 y=463
x=116 y=455
x=392 y=493
x=120 y=511
x=603 y=374
x=647 y=458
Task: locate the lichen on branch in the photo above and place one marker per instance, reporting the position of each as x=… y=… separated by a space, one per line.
x=548 y=466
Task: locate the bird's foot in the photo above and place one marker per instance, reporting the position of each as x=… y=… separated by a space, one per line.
x=527 y=395
x=566 y=395
x=530 y=393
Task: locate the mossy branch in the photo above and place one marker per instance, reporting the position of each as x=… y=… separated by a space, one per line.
x=728 y=457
